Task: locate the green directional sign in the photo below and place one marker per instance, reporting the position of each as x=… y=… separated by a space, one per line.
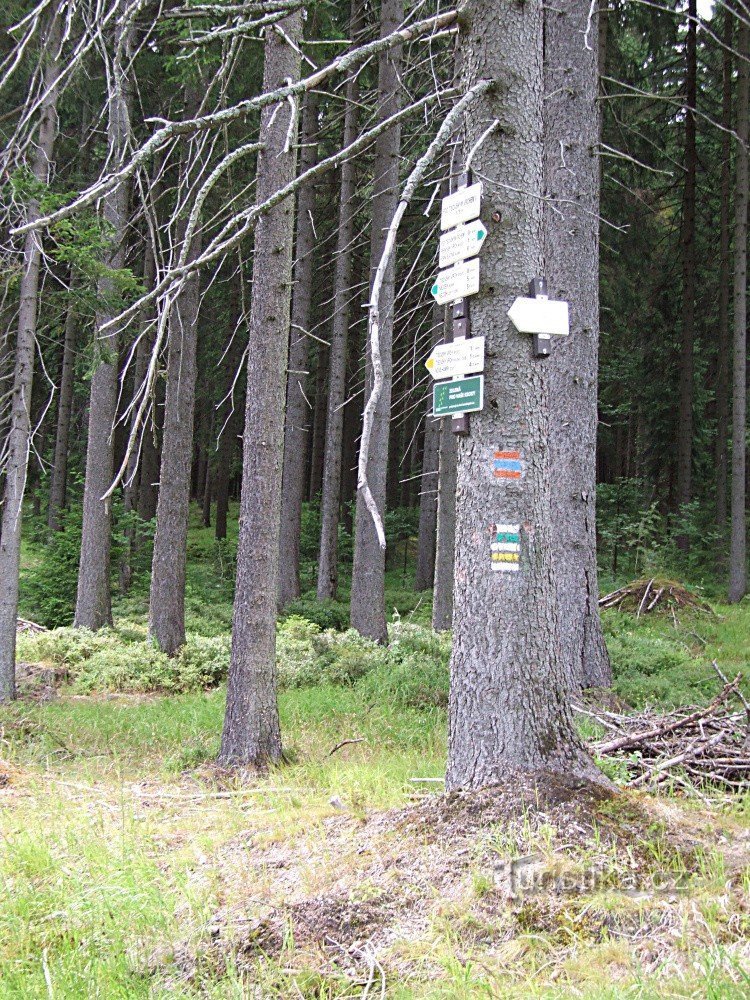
x=465 y=395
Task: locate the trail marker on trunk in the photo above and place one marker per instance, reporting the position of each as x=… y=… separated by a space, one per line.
x=541 y=316
x=462 y=357
x=457 y=282
x=461 y=206
x=462 y=243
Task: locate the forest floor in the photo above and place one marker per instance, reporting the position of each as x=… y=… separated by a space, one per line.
x=131 y=868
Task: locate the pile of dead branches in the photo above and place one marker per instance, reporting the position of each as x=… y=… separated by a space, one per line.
x=645 y=596
x=23 y=626
x=692 y=747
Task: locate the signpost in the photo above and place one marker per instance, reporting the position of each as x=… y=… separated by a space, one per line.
x=462 y=243
x=458 y=279
x=541 y=316
x=461 y=206
x=465 y=395
x=462 y=357
x=457 y=282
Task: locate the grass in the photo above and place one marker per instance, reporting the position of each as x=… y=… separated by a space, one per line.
x=127 y=863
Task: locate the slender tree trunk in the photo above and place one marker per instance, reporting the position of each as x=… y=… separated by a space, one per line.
x=428 y=482
x=687 y=239
x=297 y=422
x=148 y=478
x=230 y=412
x=317 y=445
x=167 y=598
x=738 y=543
x=509 y=707
x=93 y=599
x=59 y=478
x=442 y=603
x=19 y=433
x=333 y=455
x=571 y=256
x=723 y=345
x=252 y=733
x=368 y=577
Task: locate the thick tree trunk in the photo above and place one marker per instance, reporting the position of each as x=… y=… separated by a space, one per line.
x=687 y=239
x=428 y=482
x=509 y=707
x=724 y=338
x=19 y=433
x=368 y=576
x=252 y=733
x=738 y=542
x=333 y=455
x=59 y=477
x=571 y=258
x=167 y=599
x=93 y=599
x=297 y=421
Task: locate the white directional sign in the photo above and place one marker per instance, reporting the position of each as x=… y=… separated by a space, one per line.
x=457 y=282
x=462 y=357
x=462 y=242
x=461 y=206
x=545 y=316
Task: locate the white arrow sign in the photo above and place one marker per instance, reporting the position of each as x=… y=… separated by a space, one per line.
x=462 y=357
x=462 y=242
x=457 y=282
x=461 y=206
x=545 y=316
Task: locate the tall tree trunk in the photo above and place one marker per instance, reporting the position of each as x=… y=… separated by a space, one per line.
x=509 y=707
x=738 y=543
x=166 y=614
x=445 y=551
x=132 y=484
x=317 y=444
x=59 y=478
x=368 y=577
x=19 y=433
x=571 y=256
x=723 y=345
x=230 y=413
x=252 y=733
x=93 y=599
x=148 y=477
x=297 y=421
x=333 y=455
x=428 y=482
x=687 y=239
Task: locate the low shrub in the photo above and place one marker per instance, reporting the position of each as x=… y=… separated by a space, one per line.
x=109 y=660
x=307 y=655
x=326 y=614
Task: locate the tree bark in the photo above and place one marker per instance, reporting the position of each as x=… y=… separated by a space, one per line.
x=333 y=453
x=724 y=337
x=571 y=253
x=19 y=433
x=229 y=413
x=428 y=482
x=687 y=240
x=252 y=734
x=509 y=707
x=93 y=599
x=317 y=444
x=445 y=551
x=168 y=567
x=368 y=576
x=59 y=477
x=738 y=541
x=297 y=422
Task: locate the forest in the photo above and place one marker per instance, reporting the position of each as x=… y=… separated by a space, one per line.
x=374 y=473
